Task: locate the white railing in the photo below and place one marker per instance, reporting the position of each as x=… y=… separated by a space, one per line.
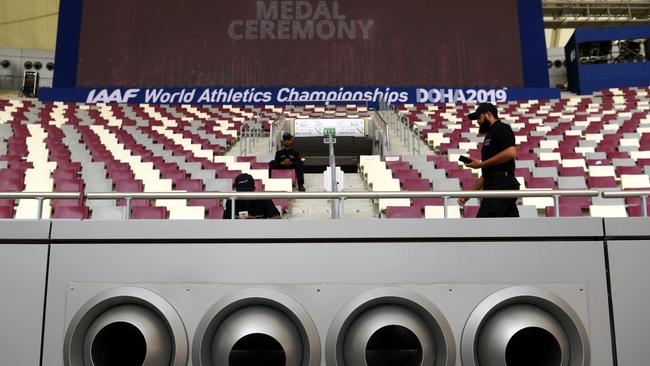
x=249 y=133
x=233 y=196
x=40 y=197
x=625 y=194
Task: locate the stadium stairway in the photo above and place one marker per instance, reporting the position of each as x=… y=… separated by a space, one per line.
x=320 y=209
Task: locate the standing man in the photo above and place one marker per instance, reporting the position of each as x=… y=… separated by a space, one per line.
x=497 y=163
x=288 y=158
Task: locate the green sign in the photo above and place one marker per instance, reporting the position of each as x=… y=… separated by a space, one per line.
x=329 y=131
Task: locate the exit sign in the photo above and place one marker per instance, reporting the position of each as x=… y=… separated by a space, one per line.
x=329 y=131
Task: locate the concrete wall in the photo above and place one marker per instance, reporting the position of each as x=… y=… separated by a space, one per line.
x=321 y=270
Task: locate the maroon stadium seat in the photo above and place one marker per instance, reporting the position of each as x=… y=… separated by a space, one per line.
x=416 y=184
x=65 y=174
x=215 y=166
x=246 y=159
x=284 y=173
x=572 y=172
x=6 y=212
x=393 y=212
x=120 y=174
x=282 y=203
x=601 y=182
x=470 y=211
x=68 y=185
x=398 y=165
x=565 y=211
x=628 y=170
x=190 y=185
x=228 y=174
x=151 y=213
x=173 y=174
x=12 y=174
x=11 y=185
x=581 y=202
x=636 y=211
x=131 y=186
x=262 y=166
x=216 y=213
x=540 y=183
x=404 y=174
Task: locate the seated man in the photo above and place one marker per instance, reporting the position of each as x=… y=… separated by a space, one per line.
x=250 y=209
x=288 y=158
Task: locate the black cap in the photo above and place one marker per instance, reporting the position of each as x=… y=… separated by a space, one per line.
x=244 y=183
x=484 y=108
x=286 y=136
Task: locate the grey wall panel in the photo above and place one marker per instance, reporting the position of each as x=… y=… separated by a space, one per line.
x=629 y=272
x=213 y=230
x=629 y=251
x=456 y=276
x=22 y=294
x=632 y=227
x=22 y=230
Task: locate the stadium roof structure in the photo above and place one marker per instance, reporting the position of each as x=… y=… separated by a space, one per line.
x=595 y=13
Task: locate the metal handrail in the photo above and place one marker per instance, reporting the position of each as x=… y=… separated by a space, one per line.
x=386 y=132
x=40 y=197
x=625 y=194
x=233 y=196
x=249 y=131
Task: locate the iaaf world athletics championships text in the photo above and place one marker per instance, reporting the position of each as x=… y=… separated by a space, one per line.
x=253 y=96
x=290 y=95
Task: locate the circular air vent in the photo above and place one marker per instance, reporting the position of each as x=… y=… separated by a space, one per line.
x=256 y=327
x=50 y=66
x=28 y=65
x=5 y=64
x=390 y=326
x=524 y=326
x=126 y=326
x=38 y=65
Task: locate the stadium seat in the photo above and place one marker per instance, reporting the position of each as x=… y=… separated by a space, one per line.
x=470 y=211
x=187 y=213
x=565 y=211
x=148 y=212
x=11 y=185
x=216 y=213
x=636 y=210
x=601 y=182
x=284 y=173
x=6 y=212
x=607 y=211
x=403 y=212
x=637 y=181
x=438 y=212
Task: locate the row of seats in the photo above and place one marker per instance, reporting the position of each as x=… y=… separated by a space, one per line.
x=428 y=173
x=592 y=142
x=60 y=147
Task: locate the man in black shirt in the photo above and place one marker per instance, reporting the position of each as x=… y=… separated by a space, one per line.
x=288 y=158
x=497 y=163
x=250 y=209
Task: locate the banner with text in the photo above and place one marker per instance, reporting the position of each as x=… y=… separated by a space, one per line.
x=295 y=95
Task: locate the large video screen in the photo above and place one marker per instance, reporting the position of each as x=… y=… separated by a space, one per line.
x=165 y=43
